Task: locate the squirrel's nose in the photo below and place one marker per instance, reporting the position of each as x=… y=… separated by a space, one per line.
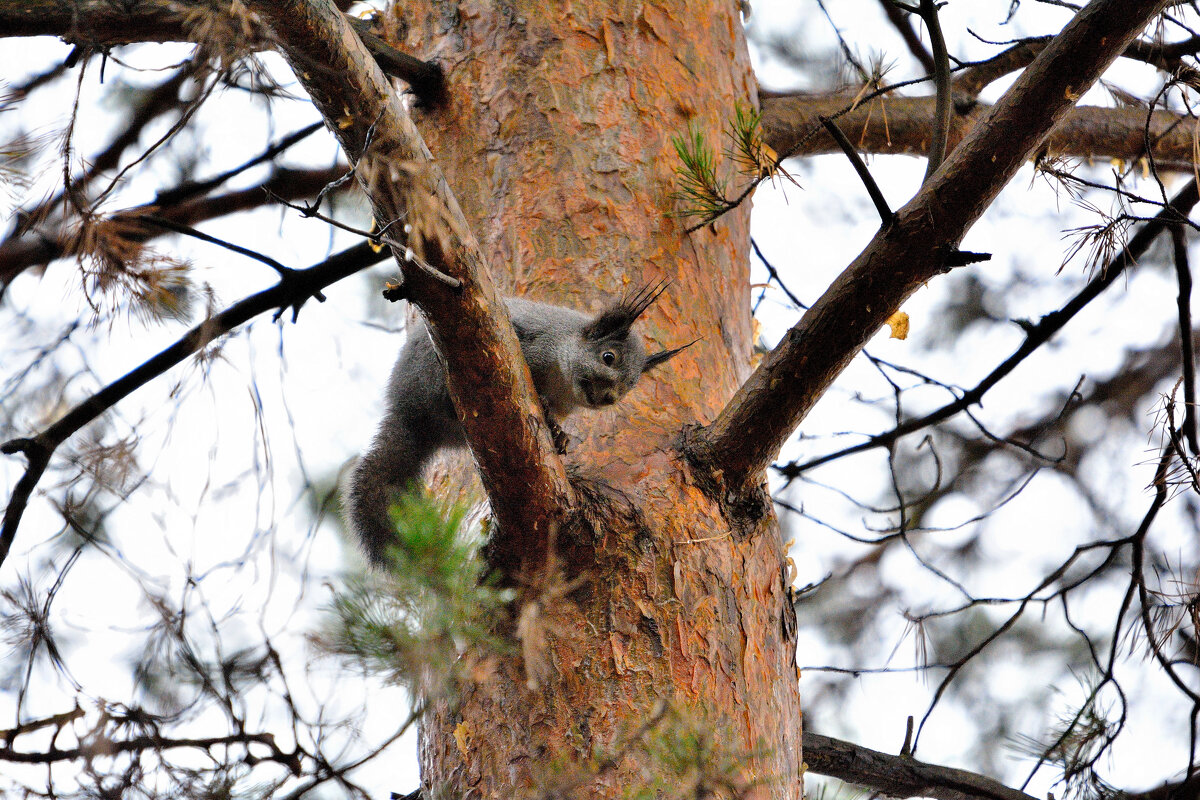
x=609 y=396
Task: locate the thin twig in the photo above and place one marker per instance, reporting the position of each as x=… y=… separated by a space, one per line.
x=284 y=272
x=286 y=293
x=1036 y=335
x=900 y=21
x=404 y=251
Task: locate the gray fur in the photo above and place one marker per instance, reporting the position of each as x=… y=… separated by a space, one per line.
x=566 y=352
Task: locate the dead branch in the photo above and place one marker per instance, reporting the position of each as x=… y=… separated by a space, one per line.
x=899 y=776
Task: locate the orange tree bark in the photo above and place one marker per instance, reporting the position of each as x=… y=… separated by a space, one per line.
x=556 y=141
x=556 y=137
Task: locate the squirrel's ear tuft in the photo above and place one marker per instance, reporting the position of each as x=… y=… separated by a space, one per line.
x=614 y=322
x=663 y=356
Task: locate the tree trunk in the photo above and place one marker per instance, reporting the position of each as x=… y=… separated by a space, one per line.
x=556 y=139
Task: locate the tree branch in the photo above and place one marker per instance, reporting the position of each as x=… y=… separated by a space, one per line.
x=105 y=23
x=903 y=777
x=899 y=776
x=488 y=379
x=941 y=81
x=873 y=191
x=1035 y=335
x=901 y=22
x=292 y=292
x=1183 y=273
x=46 y=242
x=788 y=121
x=769 y=406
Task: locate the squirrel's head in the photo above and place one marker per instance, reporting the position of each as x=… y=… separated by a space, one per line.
x=613 y=357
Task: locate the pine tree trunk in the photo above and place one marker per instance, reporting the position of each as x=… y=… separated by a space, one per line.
x=556 y=139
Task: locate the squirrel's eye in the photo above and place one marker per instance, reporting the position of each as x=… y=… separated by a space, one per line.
x=609 y=357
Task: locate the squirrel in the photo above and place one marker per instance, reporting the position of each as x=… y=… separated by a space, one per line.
x=575 y=360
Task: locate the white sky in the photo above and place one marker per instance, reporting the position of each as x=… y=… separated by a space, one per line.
x=313 y=389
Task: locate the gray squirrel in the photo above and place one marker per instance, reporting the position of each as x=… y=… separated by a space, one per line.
x=576 y=361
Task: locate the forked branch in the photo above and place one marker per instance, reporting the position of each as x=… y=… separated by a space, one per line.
x=769 y=406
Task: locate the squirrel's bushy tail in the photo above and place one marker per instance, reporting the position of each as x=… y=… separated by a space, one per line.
x=390 y=467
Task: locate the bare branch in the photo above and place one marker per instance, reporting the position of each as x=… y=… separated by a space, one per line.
x=291 y=292
x=103 y=23
x=1183 y=273
x=770 y=405
x=1085 y=132
x=1035 y=335
x=36 y=247
x=487 y=376
x=941 y=82
x=899 y=776
x=901 y=22
x=886 y=215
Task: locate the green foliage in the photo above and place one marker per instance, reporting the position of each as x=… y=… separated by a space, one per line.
x=747 y=149
x=413 y=621
x=1078 y=741
x=701 y=191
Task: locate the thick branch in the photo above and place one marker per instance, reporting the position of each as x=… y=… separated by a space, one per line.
x=899 y=776
x=920 y=245
x=105 y=23
x=291 y=292
x=487 y=376
x=1085 y=132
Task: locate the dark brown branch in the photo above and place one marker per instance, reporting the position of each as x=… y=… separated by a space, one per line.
x=104 y=23
x=1035 y=335
x=899 y=776
x=769 y=406
x=1183 y=272
x=881 y=206
x=35 y=248
x=38 y=449
x=1164 y=56
x=901 y=22
x=941 y=82
x=525 y=479
x=425 y=78
x=977 y=76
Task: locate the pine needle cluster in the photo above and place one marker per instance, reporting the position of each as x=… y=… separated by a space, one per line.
x=703 y=192
x=412 y=621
